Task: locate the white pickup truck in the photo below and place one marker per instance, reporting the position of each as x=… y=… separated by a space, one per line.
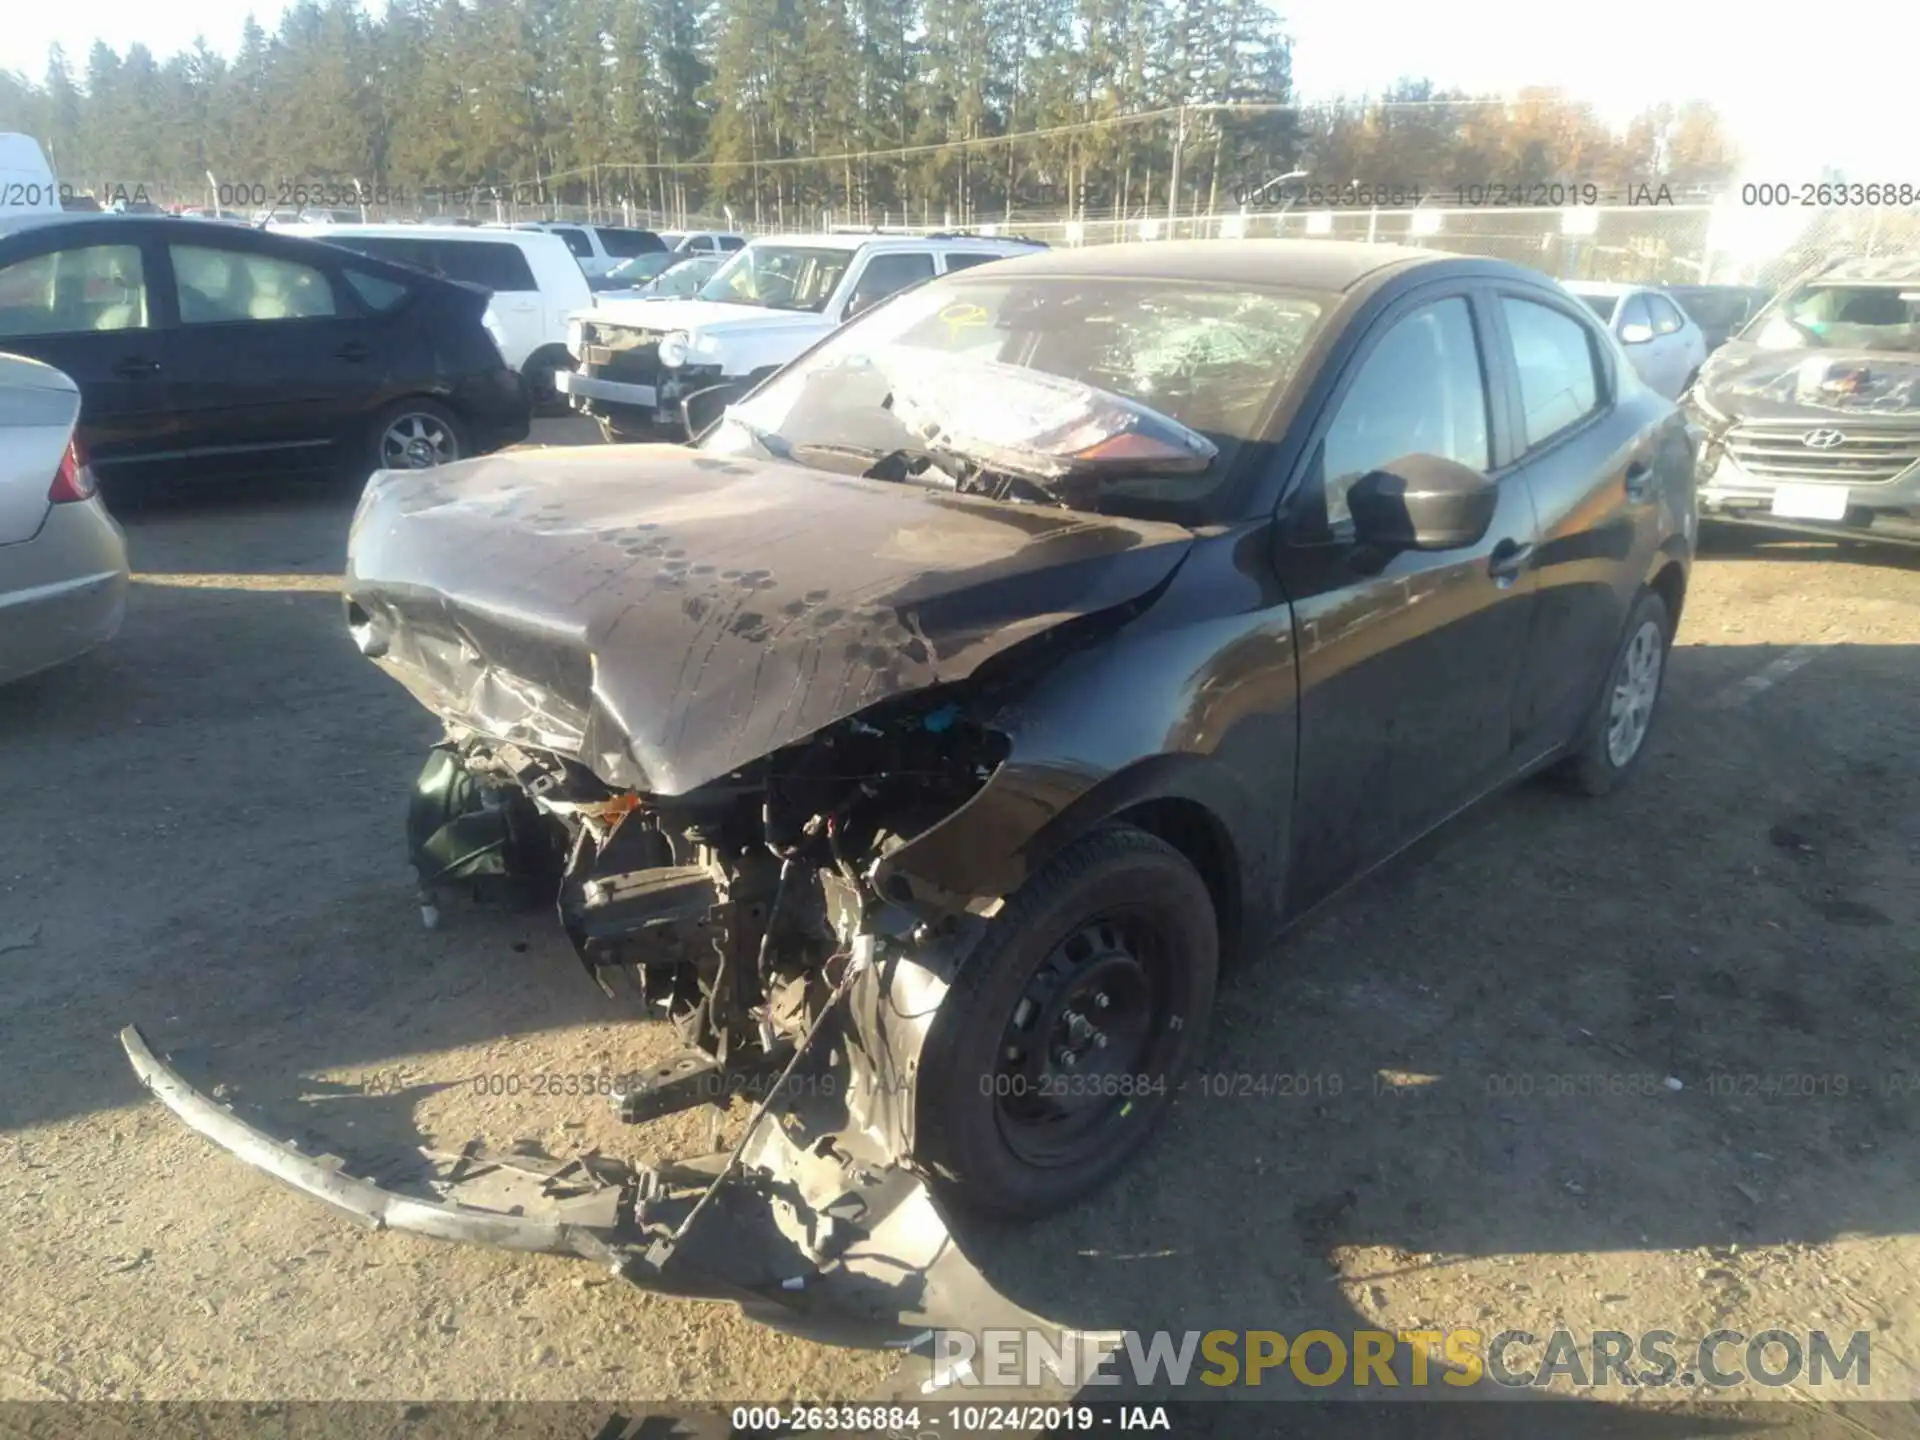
x=635 y=360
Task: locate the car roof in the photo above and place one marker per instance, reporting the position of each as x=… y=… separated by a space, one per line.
x=25 y=220
x=468 y=234
x=1322 y=265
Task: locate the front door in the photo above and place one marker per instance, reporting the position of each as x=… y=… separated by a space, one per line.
x=1410 y=662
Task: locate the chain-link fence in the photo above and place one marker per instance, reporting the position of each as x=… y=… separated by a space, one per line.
x=1717 y=241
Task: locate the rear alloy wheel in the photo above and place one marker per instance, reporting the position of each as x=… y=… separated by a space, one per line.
x=417 y=435
x=1066 y=1035
x=1615 y=735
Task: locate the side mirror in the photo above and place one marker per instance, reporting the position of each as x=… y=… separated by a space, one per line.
x=1635 y=334
x=701 y=411
x=1422 y=502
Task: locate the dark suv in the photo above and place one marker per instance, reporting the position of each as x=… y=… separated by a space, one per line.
x=204 y=351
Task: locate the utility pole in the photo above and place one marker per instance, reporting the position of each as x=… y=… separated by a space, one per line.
x=1173 y=182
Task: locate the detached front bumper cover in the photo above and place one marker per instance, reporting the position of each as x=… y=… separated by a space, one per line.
x=813 y=1229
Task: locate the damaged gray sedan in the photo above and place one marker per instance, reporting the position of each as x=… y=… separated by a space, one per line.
x=925 y=741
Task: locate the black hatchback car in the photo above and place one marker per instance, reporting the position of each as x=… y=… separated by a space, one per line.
x=204 y=351
x=925 y=739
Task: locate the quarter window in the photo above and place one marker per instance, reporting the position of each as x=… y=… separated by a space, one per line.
x=64 y=292
x=378 y=292
x=1559 y=371
x=577 y=241
x=1420 y=391
x=1634 y=312
x=222 y=286
x=1666 y=319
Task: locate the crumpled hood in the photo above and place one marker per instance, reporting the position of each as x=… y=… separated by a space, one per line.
x=705 y=317
x=1745 y=382
x=666 y=616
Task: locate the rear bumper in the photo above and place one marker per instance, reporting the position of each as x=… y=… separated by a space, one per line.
x=497 y=409
x=66 y=589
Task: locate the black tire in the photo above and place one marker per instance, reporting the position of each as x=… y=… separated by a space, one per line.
x=538 y=372
x=1594 y=766
x=1119 y=913
x=430 y=419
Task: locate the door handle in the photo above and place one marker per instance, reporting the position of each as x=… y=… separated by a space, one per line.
x=1639 y=479
x=1509 y=558
x=135 y=367
x=353 y=350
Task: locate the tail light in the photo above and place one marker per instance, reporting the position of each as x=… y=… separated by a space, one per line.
x=74 y=479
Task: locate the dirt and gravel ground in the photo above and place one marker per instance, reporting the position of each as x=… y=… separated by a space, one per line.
x=203 y=834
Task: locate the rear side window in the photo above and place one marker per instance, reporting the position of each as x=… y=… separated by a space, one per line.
x=377 y=292
x=494 y=264
x=625 y=244
x=577 y=241
x=417 y=253
x=89 y=287
x=1559 y=371
x=218 y=286
x=960 y=260
x=730 y=243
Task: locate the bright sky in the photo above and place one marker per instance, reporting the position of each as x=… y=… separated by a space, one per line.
x=1796 y=105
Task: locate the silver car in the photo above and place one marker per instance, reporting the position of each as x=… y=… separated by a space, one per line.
x=63 y=559
x=1667 y=349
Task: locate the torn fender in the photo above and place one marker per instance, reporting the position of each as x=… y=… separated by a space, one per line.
x=667 y=617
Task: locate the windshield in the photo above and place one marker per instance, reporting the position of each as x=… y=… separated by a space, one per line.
x=941 y=367
x=779 y=277
x=1845 y=316
x=1601 y=305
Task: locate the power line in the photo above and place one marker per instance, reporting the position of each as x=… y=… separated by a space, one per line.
x=1231 y=107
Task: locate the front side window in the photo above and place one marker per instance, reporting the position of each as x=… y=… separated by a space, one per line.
x=887 y=274
x=1420 y=391
x=1012 y=357
x=1666 y=319
x=1559 y=371
x=218 y=286
x=64 y=292
x=780 y=277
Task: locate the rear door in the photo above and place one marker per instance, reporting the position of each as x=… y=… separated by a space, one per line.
x=83 y=301
x=273 y=355
x=1591 y=467
x=1409 y=662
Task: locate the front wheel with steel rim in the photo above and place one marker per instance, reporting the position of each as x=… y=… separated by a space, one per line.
x=1066 y=1034
x=1615 y=735
x=416 y=435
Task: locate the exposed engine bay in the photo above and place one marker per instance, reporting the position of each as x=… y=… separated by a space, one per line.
x=732 y=910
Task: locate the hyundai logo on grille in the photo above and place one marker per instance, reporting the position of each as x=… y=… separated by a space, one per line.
x=1823 y=439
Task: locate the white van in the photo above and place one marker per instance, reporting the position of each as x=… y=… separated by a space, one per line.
x=532 y=275
x=27 y=185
